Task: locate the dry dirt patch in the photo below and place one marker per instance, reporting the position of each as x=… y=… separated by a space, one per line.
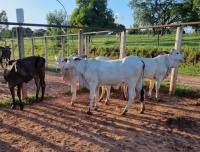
x=54 y=125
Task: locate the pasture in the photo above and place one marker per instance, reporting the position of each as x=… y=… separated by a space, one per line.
x=171 y=124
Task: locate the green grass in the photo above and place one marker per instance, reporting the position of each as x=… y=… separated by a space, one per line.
x=51 y=69
x=107 y=45
x=29 y=100
x=189 y=69
x=182 y=90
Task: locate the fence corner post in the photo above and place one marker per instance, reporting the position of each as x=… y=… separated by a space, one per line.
x=123 y=44
x=174 y=71
x=20 y=39
x=80 y=42
x=87 y=37
x=63 y=46
x=46 y=51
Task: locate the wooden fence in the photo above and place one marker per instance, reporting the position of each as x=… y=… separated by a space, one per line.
x=81 y=35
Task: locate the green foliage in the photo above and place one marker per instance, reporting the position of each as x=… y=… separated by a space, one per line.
x=28 y=100
x=189 y=69
x=182 y=90
x=56 y=18
x=82 y=90
x=50 y=68
x=150 y=13
x=92 y=13
x=107 y=45
x=3 y=28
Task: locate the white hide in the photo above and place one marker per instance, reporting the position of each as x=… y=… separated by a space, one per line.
x=72 y=80
x=159 y=68
x=93 y=73
x=67 y=76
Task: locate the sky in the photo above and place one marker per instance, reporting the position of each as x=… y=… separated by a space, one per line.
x=35 y=10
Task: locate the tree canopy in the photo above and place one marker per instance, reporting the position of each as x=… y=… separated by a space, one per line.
x=93 y=13
x=56 y=18
x=160 y=12
x=3 y=28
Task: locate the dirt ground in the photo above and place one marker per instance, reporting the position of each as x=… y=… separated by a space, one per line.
x=54 y=125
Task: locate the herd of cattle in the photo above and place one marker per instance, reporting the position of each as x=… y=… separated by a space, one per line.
x=94 y=73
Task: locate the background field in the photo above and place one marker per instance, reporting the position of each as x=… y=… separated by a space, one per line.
x=107 y=45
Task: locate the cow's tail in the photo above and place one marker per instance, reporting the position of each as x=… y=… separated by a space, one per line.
x=142 y=91
x=40 y=61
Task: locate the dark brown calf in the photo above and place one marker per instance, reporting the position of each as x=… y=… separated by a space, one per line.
x=24 y=70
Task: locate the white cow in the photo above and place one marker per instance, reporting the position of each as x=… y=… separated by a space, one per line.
x=72 y=80
x=159 y=68
x=94 y=73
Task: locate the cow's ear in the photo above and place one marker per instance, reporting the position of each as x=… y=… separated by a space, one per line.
x=166 y=52
x=77 y=59
x=65 y=59
x=83 y=56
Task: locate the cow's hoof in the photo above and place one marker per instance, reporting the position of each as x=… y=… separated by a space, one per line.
x=89 y=112
x=106 y=103
x=21 y=107
x=13 y=107
x=100 y=100
x=72 y=103
x=123 y=113
x=96 y=108
x=141 y=112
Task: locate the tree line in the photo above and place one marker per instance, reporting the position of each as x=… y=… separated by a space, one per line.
x=95 y=13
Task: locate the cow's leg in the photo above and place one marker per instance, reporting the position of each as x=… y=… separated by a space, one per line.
x=92 y=92
x=19 y=88
x=124 y=91
x=132 y=94
x=103 y=91
x=43 y=85
x=158 y=82
x=108 y=88
x=141 y=91
x=12 y=91
x=151 y=85
x=96 y=97
x=37 y=83
x=73 y=90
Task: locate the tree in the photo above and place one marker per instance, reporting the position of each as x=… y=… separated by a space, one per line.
x=39 y=32
x=56 y=18
x=193 y=15
x=3 y=28
x=93 y=13
x=27 y=32
x=157 y=12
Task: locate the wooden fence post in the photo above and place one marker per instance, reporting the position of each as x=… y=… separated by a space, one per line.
x=46 y=51
x=12 y=45
x=20 y=39
x=174 y=71
x=80 y=42
x=63 y=46
x=87 y=37
x=123 y=44
x=32 y=46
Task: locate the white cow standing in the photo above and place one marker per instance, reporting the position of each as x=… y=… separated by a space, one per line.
x=159 y=68
x=72 y=80
x=93 y=73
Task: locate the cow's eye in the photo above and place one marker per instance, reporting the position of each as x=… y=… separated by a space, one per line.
x=177 y=53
